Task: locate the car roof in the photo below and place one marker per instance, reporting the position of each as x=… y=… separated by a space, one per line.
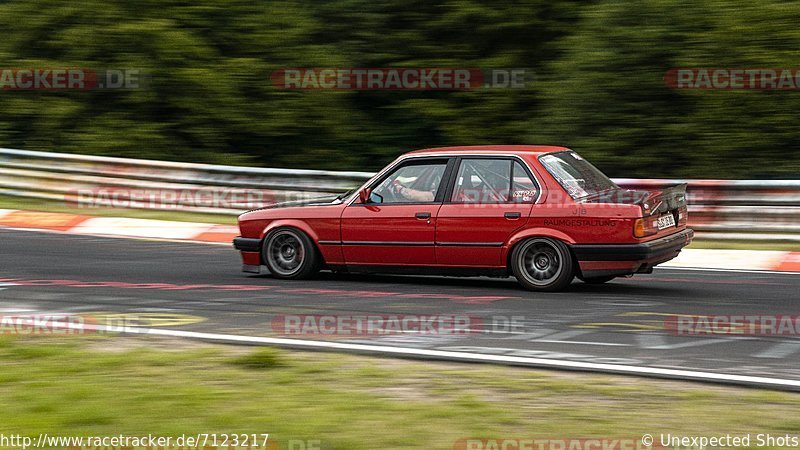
x=489 y=149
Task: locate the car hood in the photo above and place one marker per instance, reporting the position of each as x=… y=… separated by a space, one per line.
x=317 y=201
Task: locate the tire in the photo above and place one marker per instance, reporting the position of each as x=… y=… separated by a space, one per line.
x=290 y=254
x=542 y=264
x=598 y=280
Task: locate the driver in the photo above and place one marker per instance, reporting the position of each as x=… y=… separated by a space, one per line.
x=413 y=194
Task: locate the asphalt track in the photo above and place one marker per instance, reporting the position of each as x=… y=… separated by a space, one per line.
x=197 y=290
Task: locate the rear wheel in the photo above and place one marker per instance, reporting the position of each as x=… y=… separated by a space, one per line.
x=542 y=264
x=290 y=254
x=597 y=280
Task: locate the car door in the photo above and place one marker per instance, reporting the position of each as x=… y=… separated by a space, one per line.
x=490 y=199
x=397 y=225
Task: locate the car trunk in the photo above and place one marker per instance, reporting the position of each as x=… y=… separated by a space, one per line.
x=664 y=210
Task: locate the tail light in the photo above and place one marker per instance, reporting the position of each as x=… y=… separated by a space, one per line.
x=644 y=227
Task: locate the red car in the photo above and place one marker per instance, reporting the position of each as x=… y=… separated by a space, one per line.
x=542 y=214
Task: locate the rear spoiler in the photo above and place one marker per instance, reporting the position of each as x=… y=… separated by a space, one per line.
x=668 y=199
x=650 y=201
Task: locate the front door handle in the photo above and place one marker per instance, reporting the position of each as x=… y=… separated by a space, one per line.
x=423 y=215
x=513 y=215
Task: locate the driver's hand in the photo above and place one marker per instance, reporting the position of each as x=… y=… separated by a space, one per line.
x=398 y=187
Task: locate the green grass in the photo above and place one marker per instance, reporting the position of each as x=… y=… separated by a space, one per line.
x=32 y=204
x=100 y=386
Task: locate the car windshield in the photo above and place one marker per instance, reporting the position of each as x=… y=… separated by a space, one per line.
x=578 y=177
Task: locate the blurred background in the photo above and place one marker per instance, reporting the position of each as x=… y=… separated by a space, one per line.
x=598 y=84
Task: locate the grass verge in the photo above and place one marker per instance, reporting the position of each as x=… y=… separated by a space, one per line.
x=101 y=386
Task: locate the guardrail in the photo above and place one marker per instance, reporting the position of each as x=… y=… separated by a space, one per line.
x=723 y=209
x=109 y=181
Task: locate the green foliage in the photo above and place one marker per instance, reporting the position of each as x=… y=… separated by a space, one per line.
x=606 y=95
x=598 y=85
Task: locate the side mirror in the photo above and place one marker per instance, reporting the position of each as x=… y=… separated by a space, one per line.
x=363 y=195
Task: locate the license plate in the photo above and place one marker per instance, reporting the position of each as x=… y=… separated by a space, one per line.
x=666 y=221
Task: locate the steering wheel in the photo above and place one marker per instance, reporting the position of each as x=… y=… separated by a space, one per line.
x=392 y=193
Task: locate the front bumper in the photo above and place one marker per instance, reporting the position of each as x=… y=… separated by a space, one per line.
x=625 y=259
x=251 y=253
x=244 y=244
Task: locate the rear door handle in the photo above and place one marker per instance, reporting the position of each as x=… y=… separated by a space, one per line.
x=423 y=215
x=513 y=215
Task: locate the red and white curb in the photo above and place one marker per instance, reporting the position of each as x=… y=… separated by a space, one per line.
x=118 y=226
x=746 y=260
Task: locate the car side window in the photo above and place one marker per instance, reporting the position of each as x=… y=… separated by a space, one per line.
x=415 y=182
x=482 y=180
x=492 y=180
x=523 y=189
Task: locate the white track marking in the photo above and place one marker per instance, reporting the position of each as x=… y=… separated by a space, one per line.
x=649 y=340
x=693 y=343
x=709 y=269
x=18 y=309
x=607 y=344
x=5 y=285
x=780 y=350
x=558 y=337
x=544 y=363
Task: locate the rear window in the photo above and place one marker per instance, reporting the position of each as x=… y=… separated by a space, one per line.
x=579 y=178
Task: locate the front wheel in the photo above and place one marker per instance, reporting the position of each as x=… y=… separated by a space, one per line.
x=542 y=264
x=290 y=254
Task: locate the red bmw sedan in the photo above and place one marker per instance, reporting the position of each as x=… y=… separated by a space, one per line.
x=539 y=213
